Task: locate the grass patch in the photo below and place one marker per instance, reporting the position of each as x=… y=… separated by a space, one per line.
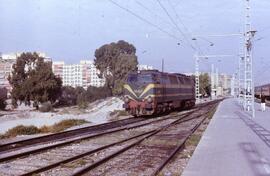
x=193 y=140
x=61 y=126
x=30 y=130
x=118 y=113
x=211 y=113
x=22 y=130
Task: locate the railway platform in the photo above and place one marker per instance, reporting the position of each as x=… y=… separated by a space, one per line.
x=233 y=144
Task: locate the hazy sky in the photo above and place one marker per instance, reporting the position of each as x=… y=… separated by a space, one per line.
x=71 y=30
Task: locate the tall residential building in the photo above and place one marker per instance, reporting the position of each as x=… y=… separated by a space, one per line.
x=5 y=71
x=145 y=67
x=83 y=74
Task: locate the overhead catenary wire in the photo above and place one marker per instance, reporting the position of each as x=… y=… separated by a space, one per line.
x=176 y=25
x=178 y=17
x=145 y=20
x=154 y=14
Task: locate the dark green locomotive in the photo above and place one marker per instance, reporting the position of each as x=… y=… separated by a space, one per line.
x=152 y=92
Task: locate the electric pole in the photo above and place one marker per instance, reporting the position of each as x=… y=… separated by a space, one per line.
x=248 y=66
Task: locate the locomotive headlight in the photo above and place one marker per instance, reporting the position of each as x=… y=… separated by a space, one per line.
x=126 y=99
x=149 y=99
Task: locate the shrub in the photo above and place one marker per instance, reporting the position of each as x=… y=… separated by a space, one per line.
x=22 y=130
x=96 y=93
x=3 y=98
x=82 y=101
x=46 y=107
x=60 y=126
x=29 y=130
x=81 y=97
x=119 y=113
x=68 y=96
x=3 y=104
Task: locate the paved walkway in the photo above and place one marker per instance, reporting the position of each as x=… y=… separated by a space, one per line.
x=233 y=144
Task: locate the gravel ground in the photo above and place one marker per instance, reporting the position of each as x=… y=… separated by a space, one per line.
x=97 y=112
x=51 y=156
x=145 y=157
x=179 y=162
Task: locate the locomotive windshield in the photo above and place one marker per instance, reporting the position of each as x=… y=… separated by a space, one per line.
x=139 y=78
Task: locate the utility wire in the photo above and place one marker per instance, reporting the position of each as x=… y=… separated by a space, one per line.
x=154 y=14
x=176 y=25
x=145 y=20
x=189 y=32
x=178 y=17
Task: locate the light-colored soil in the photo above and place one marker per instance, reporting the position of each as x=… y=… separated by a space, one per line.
x=97 y=112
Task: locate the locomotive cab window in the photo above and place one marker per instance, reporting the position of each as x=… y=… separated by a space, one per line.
x=181 y=80
x=165 y=79
x=156 y=79
x=173 y=80
x=139 y=78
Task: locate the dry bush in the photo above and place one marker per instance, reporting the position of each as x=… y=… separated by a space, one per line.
x=22 y=130
x=61 y=126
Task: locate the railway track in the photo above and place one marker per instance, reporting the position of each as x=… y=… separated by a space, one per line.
x=149 y=155
x=7 y=147
x=115 y=142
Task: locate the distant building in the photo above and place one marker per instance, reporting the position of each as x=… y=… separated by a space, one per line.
x=6 y=63
x=83 y=74
x=221 y=84
x=145 y=67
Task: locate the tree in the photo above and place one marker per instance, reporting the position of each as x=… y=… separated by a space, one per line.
x=115 y=61
x=68 y=96
x=95 y=93
x=3 y=98
x=33 y=80
x=205 y=86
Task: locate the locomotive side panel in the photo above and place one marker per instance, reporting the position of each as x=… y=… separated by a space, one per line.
x=152 y=92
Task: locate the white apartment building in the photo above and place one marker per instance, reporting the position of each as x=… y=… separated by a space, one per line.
x=84 y=74
x=5 y=71
x=145 y=67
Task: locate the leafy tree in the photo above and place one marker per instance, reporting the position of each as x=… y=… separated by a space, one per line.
x=33 y=80
x=95 y=93
x=68 y=96
x=205 y=86
x=115 y=61
x=81 y=97
x=3 y=98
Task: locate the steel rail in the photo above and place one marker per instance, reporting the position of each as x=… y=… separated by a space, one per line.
x=33 y=151
x=64 y=135
x=179 y=146
x=182 y=116
x=4 y=148
x=89 y=167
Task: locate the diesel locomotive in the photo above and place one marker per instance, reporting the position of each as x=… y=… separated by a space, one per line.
x=152 y=92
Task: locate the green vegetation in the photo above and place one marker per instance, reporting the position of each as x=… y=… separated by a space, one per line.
x=3 y=98
x=46 y=107
x=205 y=85
x=30 y=130
x=81 y=97
x=119 y=113
x=211 y=113
x=61 y=126
x=33 y=80
x=193 y=140
x=115 y=61
x=22 y=130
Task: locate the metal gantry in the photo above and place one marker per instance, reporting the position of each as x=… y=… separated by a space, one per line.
x=197 y=72
x=248 y=65
x=197 y=78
